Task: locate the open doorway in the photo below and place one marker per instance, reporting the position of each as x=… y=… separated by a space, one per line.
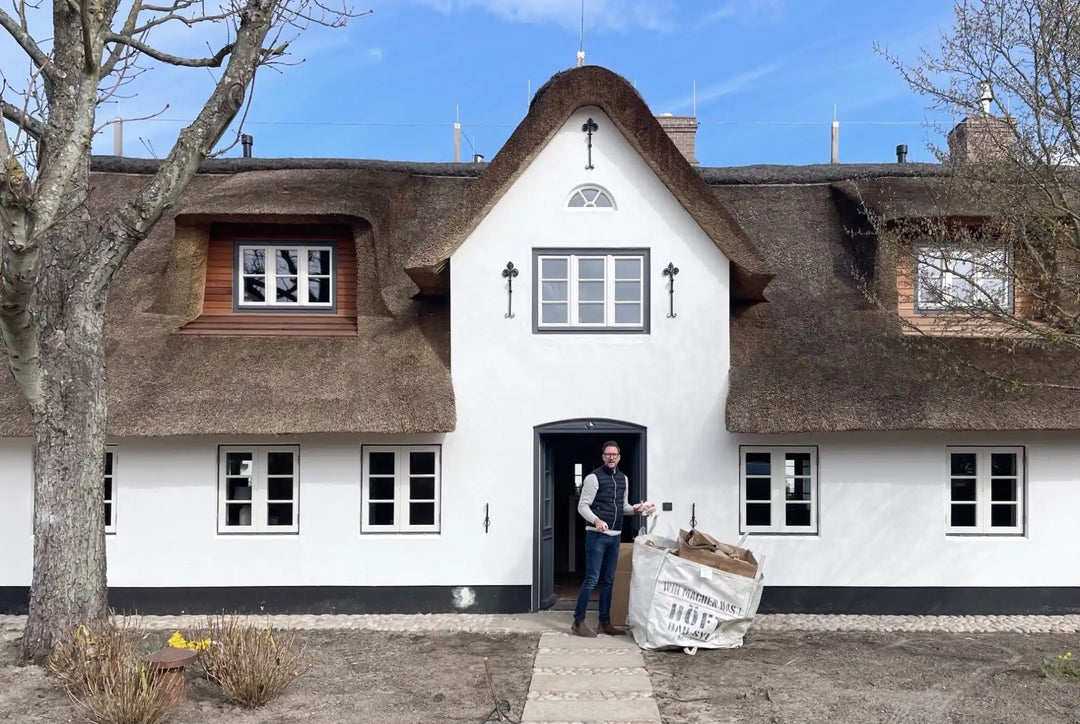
x=567 y=452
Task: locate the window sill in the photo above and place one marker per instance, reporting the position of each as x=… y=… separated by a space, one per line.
x=269 y=324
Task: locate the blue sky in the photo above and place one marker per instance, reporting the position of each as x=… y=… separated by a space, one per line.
x=768 y=73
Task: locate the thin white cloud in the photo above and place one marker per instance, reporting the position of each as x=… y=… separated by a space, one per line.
x=725 y=87
x=599 y=14
x=375 y=54
x=744 y=10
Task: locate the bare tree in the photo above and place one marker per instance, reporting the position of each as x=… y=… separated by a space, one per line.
x=995 y=254
x=57 y=262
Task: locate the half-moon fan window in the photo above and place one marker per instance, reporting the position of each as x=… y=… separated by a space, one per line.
x=590 y=197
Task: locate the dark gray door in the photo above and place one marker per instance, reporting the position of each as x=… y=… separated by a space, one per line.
x=547 y=529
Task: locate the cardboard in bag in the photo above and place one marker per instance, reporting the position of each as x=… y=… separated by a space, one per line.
x=703 y=548
x=620 y=589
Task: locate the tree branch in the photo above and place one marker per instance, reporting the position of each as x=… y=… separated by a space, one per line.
x=213 y=61
x=27 y=43
x=23 y=120
x=130 y=224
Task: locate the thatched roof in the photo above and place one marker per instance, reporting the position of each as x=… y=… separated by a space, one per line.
x=393 y=377
x=820 y=356
x=816 y=356
x=552 y=105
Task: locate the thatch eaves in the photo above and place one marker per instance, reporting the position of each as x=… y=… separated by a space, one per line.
x=552 y=105
x=820 y=356
x=392 y=377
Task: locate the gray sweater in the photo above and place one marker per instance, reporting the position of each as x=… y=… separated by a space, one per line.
x=588 y=492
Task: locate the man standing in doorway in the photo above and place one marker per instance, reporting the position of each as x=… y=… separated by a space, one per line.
x=604 y=503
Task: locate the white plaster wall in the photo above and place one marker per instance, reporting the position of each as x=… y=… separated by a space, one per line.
x=883 y=498
x=508 y=379
x=882 y=505
x=16 y=512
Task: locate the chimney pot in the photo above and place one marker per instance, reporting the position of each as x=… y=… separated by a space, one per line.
x=478 y=158
x=682 y=130
x=247 y=142
x=901 y=153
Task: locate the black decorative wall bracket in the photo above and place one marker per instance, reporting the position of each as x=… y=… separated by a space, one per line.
x=487 y=518
x=589 y=127
x=508 y=274
x=671 y=271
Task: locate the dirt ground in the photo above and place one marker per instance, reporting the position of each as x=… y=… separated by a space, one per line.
x=859 y=678
x=354 y=677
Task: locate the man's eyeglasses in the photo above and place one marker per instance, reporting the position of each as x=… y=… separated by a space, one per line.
x=611 y=455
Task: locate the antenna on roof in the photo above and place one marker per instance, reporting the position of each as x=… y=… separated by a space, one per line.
x=581 y=38
x=457 y=134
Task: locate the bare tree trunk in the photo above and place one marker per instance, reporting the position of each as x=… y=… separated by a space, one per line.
x=69 y=585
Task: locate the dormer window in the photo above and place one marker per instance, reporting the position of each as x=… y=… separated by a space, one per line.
x=962 y=280
x=590 y=197
x=283 y=276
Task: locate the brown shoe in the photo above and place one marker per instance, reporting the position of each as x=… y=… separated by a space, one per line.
x=607 y=628
x=578 y=628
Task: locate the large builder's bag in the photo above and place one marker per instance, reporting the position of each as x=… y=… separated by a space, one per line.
x=679 y=603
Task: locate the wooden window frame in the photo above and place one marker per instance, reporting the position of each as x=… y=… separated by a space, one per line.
x=573 y=258
x=109 y=475
x=303 y=245
x=983 y=491
x=778 y=490
x=259 y=500
x=979 y=274
x=402 y=476
x=587 y=205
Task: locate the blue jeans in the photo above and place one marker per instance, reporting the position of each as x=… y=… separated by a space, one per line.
x=601 y=555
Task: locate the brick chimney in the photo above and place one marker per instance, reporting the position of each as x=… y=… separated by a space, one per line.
x=683 y=131
x=982 y=136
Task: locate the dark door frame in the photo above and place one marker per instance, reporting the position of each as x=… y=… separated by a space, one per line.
x=578 y=426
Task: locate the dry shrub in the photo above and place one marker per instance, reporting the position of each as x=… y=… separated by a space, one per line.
x=252 y=664
x=100 y=666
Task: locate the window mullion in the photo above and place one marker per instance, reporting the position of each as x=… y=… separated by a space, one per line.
x=777 y=506
x=301 y=276
x=982 y=491
x=401 y=483
x=609 y=290
x=572 y=290
x=258 y=489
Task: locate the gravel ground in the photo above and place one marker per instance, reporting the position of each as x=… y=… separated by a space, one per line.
x=856 y=678
x=355 y=676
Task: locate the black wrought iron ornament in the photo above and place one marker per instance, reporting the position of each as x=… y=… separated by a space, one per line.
x=589 y=127
x=508 y=274
x=693 y=516
x=670 y=272
x=487 y=518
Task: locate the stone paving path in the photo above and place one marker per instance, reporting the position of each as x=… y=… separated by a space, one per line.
x=589 y=681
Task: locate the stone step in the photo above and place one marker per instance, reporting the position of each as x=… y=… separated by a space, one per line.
x=594 y=659
x=569 y=641
x=609 y=710
x=613 y=683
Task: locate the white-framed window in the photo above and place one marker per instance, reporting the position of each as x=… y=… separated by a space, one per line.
x=258 y=489
x=958 y=279
x=283 y=276
x=590 y=197
x=778 y=491
x=986 y=491
x=599 y=291
x=110 y=490
x=401 y=489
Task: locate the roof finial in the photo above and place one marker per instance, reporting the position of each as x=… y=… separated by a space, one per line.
x=581 y=38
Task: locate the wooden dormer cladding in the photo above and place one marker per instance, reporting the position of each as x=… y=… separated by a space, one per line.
x=944 y=323
x=220 y=313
